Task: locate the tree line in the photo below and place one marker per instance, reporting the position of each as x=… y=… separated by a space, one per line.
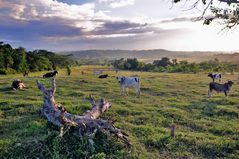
x=13 y=60
x=166 y=64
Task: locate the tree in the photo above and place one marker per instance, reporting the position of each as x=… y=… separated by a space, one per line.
x=119 y=63
x=1 y=56
x=227 y=12
x=132 y=63
x=165 y=61
x=19 y=59
x=194 y=67
x=7 y=56
x=37 y=62
x=141 y=66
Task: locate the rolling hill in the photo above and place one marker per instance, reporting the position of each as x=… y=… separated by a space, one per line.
x=143 y=55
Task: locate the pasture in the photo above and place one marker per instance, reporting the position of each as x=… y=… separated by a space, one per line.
x=205 y=128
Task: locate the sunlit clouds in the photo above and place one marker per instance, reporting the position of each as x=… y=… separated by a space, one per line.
x=106 y=24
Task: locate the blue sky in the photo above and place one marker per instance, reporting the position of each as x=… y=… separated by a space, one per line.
x=61 y=25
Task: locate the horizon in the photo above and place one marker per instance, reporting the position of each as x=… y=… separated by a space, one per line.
x=74 y=25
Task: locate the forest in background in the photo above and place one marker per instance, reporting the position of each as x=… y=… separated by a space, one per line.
x=14 y=60
x=166 y=64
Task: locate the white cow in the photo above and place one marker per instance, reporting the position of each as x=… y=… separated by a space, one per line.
x=129 y=82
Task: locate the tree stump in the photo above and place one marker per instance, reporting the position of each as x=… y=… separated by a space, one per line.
x=87 y=124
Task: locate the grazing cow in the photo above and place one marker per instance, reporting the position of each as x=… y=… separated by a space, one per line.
x=25 y=74
x=103 y=76
x=219 y=87
x=215 y=76
x=18 y=84
x=129 y=82
x=50 y=74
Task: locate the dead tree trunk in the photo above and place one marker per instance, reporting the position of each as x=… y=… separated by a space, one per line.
x=87 y=124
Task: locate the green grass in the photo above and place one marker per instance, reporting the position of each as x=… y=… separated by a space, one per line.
x=205 y=128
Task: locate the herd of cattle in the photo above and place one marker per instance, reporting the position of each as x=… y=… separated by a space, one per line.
x=134 y=82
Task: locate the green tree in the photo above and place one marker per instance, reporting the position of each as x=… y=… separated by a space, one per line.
x=37 y=62
x=132 y=64
x=19 y=59
x=1 y=56
x=119 y=63
x=165 y=61
x=7 y=56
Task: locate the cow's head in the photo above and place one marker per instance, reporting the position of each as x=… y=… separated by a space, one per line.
x=120 y=79
x=210 y=75
x=230 y=83
x=55 y=72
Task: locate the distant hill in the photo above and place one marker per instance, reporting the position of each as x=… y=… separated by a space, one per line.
x=148 y=55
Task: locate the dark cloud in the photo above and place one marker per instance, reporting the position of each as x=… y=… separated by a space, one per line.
x=28 y=30
x=121 y=27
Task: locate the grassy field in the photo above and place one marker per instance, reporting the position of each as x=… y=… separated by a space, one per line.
x=205 y=128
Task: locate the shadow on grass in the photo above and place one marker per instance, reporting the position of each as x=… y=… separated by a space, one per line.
x=6 y=89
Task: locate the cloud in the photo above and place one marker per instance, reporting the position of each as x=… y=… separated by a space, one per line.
x=117 y=3
x=47 y=17
x=178 y=19
x=56 y=25
x=80 y=15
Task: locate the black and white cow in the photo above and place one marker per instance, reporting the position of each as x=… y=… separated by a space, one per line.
x=215 y=76
x=129 y=82
x=50 y=74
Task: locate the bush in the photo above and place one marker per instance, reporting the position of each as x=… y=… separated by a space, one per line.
x=8 y=71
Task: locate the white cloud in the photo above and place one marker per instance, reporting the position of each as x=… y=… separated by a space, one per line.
x=80 y=15
x=117 y=3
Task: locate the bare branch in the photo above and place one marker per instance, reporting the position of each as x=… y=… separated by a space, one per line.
x=41 y=87
x=92 y=101
x=53 y=86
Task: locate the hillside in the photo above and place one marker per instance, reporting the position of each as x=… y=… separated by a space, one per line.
x=143 y=55
x=205 y=128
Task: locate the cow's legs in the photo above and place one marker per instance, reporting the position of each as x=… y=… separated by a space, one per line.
x=225 y=92
x=122 y=91
x=126 y=89
x=209 y=93
x=137 y=91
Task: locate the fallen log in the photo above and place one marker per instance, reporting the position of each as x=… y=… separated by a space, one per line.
x=87 y=124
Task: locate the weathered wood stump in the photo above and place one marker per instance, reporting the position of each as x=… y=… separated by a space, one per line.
x=172 y=131
x=87 y=124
